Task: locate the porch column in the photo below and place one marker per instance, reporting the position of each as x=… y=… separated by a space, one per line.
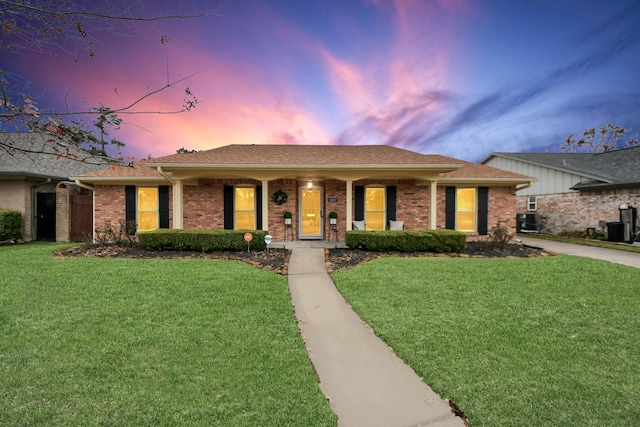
x=433 y=207
x=265 y=205
x=177 y=205
x=349 y=218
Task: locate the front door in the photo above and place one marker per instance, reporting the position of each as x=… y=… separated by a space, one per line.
x=310 y=213
x=46 y=216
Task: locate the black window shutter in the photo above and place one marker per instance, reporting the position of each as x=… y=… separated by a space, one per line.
x=359 y=203
x=450 y=208
x=163 y=206
x=228 y=207
x=483 y=210
x=130 y=208
x=391 y=203
x=258 y=208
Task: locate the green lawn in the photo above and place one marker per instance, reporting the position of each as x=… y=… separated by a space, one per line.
x=121 y=342
x=514 y=342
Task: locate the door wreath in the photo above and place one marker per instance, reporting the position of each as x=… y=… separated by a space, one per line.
x=279 y=197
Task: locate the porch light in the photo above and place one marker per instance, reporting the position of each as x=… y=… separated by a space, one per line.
x=309 y=185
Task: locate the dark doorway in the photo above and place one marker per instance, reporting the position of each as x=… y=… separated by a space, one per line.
x=81 y=217
x=46 y=216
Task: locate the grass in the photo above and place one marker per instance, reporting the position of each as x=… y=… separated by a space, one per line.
x=88 y=341
x=585 y=242
x=536 y=342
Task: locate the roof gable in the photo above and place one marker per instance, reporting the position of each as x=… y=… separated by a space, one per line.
x=612 y=167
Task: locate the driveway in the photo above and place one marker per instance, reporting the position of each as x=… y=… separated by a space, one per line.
x=631 y=259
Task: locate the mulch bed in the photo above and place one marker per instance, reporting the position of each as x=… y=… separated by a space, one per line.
x=277 y=260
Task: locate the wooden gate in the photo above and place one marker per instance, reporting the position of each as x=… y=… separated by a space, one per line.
x=81 y=217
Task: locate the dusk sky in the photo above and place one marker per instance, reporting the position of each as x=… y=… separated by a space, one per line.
x=461 y=78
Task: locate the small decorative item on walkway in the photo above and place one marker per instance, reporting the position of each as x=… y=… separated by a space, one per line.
x=248 y=237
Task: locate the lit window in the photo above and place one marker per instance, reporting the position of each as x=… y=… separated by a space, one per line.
x=533 y=205
x=466 y=209
x=245 y=208
x=375 y=208
x=147 y=209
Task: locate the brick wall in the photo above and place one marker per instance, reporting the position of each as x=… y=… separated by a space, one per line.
x=580 y=210
x=16 y=195
x=204 y=205
x=109 y=205
x=502 y=208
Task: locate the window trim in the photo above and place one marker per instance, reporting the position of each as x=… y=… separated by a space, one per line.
x=236 y=210
x=532 y=201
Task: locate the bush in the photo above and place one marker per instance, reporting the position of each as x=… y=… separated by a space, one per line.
x=499 y=236
x=407 y=240
x=201 y=240
x=119 y=235
x=10 y=224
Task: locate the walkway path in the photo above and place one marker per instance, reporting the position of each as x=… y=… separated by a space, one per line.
x=620 y=257
x=365 y=382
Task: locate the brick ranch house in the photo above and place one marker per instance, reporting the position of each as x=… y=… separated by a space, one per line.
x=576 y=191
x=34 y=180
x=252 y=186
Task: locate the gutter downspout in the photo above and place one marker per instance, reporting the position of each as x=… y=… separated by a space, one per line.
x=525 y=186
x=85 y=186
x=164 y=175
x=34 y=206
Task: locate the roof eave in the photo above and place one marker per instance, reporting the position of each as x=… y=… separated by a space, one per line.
x=169 y=166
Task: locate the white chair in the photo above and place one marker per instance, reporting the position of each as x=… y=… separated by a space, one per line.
x=358 y=225
x=396 y=225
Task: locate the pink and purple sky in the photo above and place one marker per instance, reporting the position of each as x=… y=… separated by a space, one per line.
x=462 y=78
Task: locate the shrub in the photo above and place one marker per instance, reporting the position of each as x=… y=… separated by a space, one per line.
x=407 y=240
x=119 y=235
x=201 y=240
x=10 y=224
x=499 y=236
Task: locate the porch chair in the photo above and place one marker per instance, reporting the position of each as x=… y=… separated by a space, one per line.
x=358 y=225
x=396 y=225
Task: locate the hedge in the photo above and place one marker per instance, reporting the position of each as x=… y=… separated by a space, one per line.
x=201 y=240
x=10 y=224
x=440 y=241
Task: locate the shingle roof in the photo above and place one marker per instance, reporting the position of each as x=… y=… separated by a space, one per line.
x=296 y=155
x=301 y=156
x=616 y=167
x=34 y=156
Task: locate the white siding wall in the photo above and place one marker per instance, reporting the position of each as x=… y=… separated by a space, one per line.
x=550 y=181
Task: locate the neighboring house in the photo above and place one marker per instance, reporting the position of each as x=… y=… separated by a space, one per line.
x=35 y=181
x=252 y=186
x=575 y=191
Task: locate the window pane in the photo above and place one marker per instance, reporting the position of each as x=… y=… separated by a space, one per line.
x=147 y=221
x=245 y=221
x=245 y=200
x=147 y=199
x=466 y=221
x=375 y=221
x=466 y=200
x=375 y=199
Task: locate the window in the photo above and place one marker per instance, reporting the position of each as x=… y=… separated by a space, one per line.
x=466 y=209
x=532 y=205
x=245 y=208
x=147 y=209
x=375 y=208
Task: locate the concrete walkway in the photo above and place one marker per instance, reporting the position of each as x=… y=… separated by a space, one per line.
x=365 y=382
x=620 y=257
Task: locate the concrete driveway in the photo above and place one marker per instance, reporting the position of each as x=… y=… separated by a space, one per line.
x=631 y=259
